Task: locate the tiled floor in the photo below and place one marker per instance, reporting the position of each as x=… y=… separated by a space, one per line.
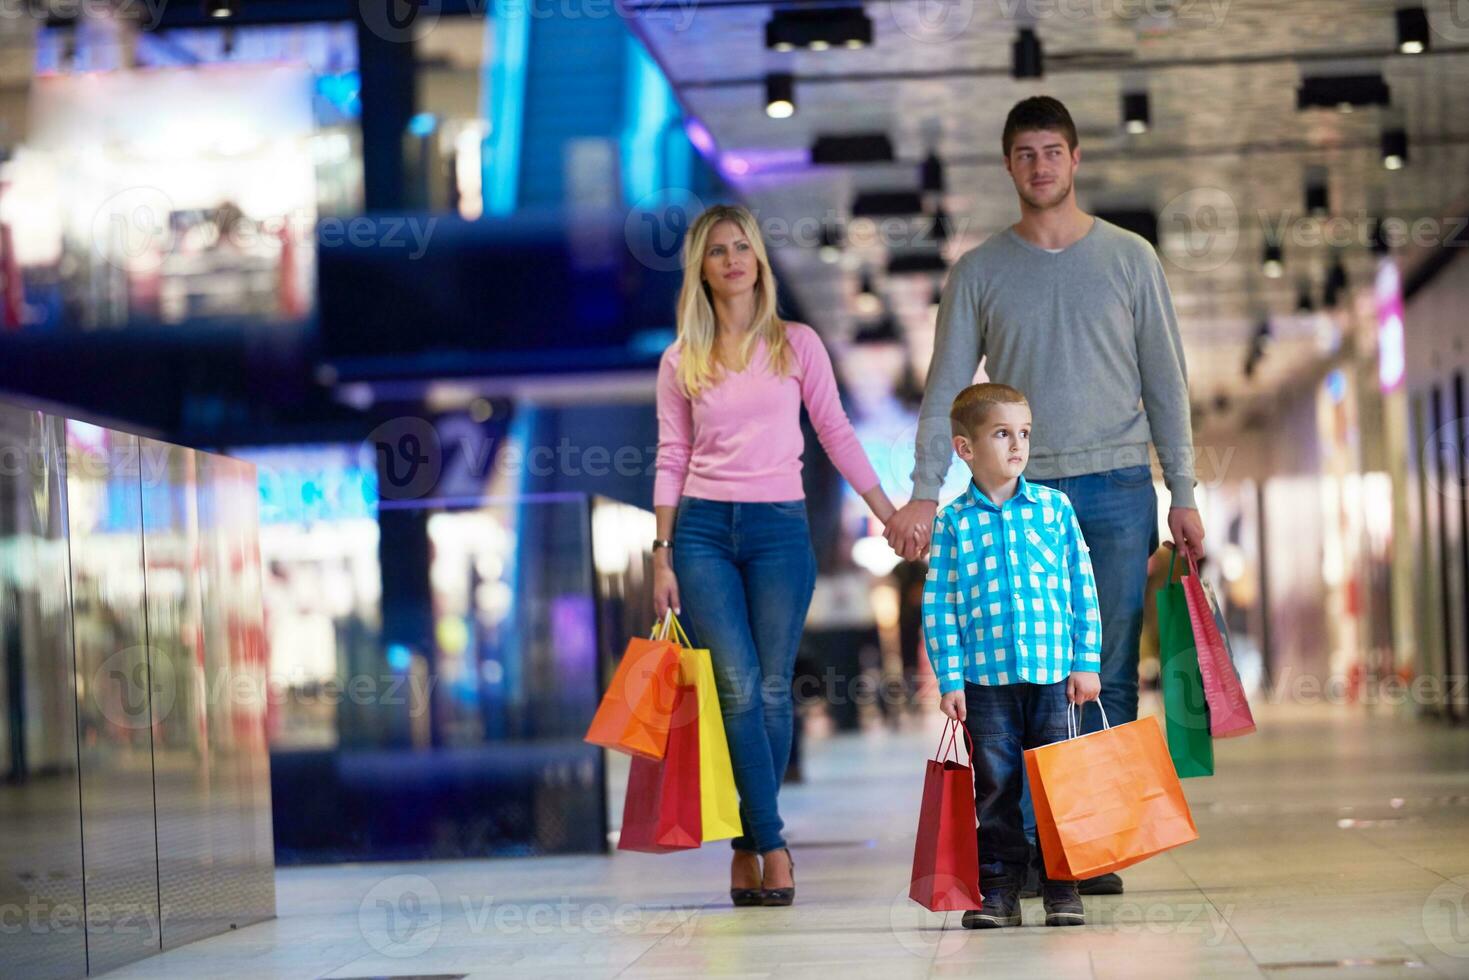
x=1332 y=843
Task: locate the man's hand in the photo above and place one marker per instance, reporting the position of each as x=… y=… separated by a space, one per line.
x=1083 y=686
x=1187 y=530
x=952 y=705
x=908 y=530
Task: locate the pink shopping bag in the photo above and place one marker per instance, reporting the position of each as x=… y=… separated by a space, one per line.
x=1229 y=710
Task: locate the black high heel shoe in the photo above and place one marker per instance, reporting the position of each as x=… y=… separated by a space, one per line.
x=747 y=897
x=782 y=896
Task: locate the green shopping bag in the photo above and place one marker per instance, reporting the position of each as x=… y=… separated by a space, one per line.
x=1185 y=712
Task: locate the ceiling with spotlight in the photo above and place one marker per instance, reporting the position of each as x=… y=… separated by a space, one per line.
x=1258 y=140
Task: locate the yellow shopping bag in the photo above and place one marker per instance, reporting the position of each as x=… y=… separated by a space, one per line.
x=719 y=802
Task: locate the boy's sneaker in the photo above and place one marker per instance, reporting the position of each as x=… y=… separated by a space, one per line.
x=1107 y=884
x=1063 y=904
x=1001 y=908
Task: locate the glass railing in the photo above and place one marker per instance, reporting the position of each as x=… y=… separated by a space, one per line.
x=132 y=742
x=455 y=730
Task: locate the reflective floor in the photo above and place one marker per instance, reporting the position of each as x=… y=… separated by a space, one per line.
x=1331 y=843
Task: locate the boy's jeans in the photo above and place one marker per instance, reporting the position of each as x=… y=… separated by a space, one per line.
x=1118 y=514
x=1004 y=720
x=746 y=572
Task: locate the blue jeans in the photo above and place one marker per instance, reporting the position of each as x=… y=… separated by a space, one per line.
x=745 y=576
x=1118 y=514
x=1004 y=720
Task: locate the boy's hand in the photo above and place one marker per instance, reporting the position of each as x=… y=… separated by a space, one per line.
x=952 y=705
x=1083 y=686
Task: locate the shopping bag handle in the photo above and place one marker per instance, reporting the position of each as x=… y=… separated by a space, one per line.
x=670 y=627
x=943 y=751
x=1074 y=718
x=660 y=630
x=1193 y=565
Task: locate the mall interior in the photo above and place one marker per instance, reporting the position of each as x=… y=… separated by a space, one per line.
x=321 y=533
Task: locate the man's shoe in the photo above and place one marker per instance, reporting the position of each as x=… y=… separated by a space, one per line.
x=1108 y=884
x=1063 y=904
x=1032 y=886
x=1000 y=908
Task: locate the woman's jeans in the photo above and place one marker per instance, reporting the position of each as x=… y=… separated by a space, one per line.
x=745 y=576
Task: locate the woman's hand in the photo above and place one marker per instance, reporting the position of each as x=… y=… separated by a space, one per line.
x=882 y=508
x=665 y=586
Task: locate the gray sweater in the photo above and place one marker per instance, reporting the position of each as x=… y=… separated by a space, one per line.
x=1088 y=334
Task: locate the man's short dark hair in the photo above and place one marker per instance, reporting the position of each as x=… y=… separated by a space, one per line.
x=1036 y=113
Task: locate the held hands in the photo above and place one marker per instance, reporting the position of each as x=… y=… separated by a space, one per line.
x=952 y=705
x=1083 y=686
x=908 y=530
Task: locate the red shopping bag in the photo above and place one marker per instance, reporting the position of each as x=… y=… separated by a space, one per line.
x=634 y=716
x=946 y=853
x=1229 y=710
x=662 y=811
x=1106 y=801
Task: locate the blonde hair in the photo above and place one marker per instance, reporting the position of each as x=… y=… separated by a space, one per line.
x=697 y=368
x=972 y=406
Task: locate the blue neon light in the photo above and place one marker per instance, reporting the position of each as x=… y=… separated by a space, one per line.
x=510 y=33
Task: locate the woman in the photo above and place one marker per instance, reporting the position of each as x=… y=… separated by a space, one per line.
x=731 y=513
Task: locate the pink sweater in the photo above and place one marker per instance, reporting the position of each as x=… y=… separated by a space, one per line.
x=741 y=439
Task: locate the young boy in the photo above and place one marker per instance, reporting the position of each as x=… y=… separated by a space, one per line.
x=1013 y=631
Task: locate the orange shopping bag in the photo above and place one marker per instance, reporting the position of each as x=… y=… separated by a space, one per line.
x=636 y=710
x=1107 y=800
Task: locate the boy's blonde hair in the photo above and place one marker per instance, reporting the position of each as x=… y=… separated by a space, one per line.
x=972 y=406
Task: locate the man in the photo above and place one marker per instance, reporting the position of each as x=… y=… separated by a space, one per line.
x=1075 y=312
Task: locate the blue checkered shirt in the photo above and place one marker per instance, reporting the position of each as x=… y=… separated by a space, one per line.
x=1021 y=611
